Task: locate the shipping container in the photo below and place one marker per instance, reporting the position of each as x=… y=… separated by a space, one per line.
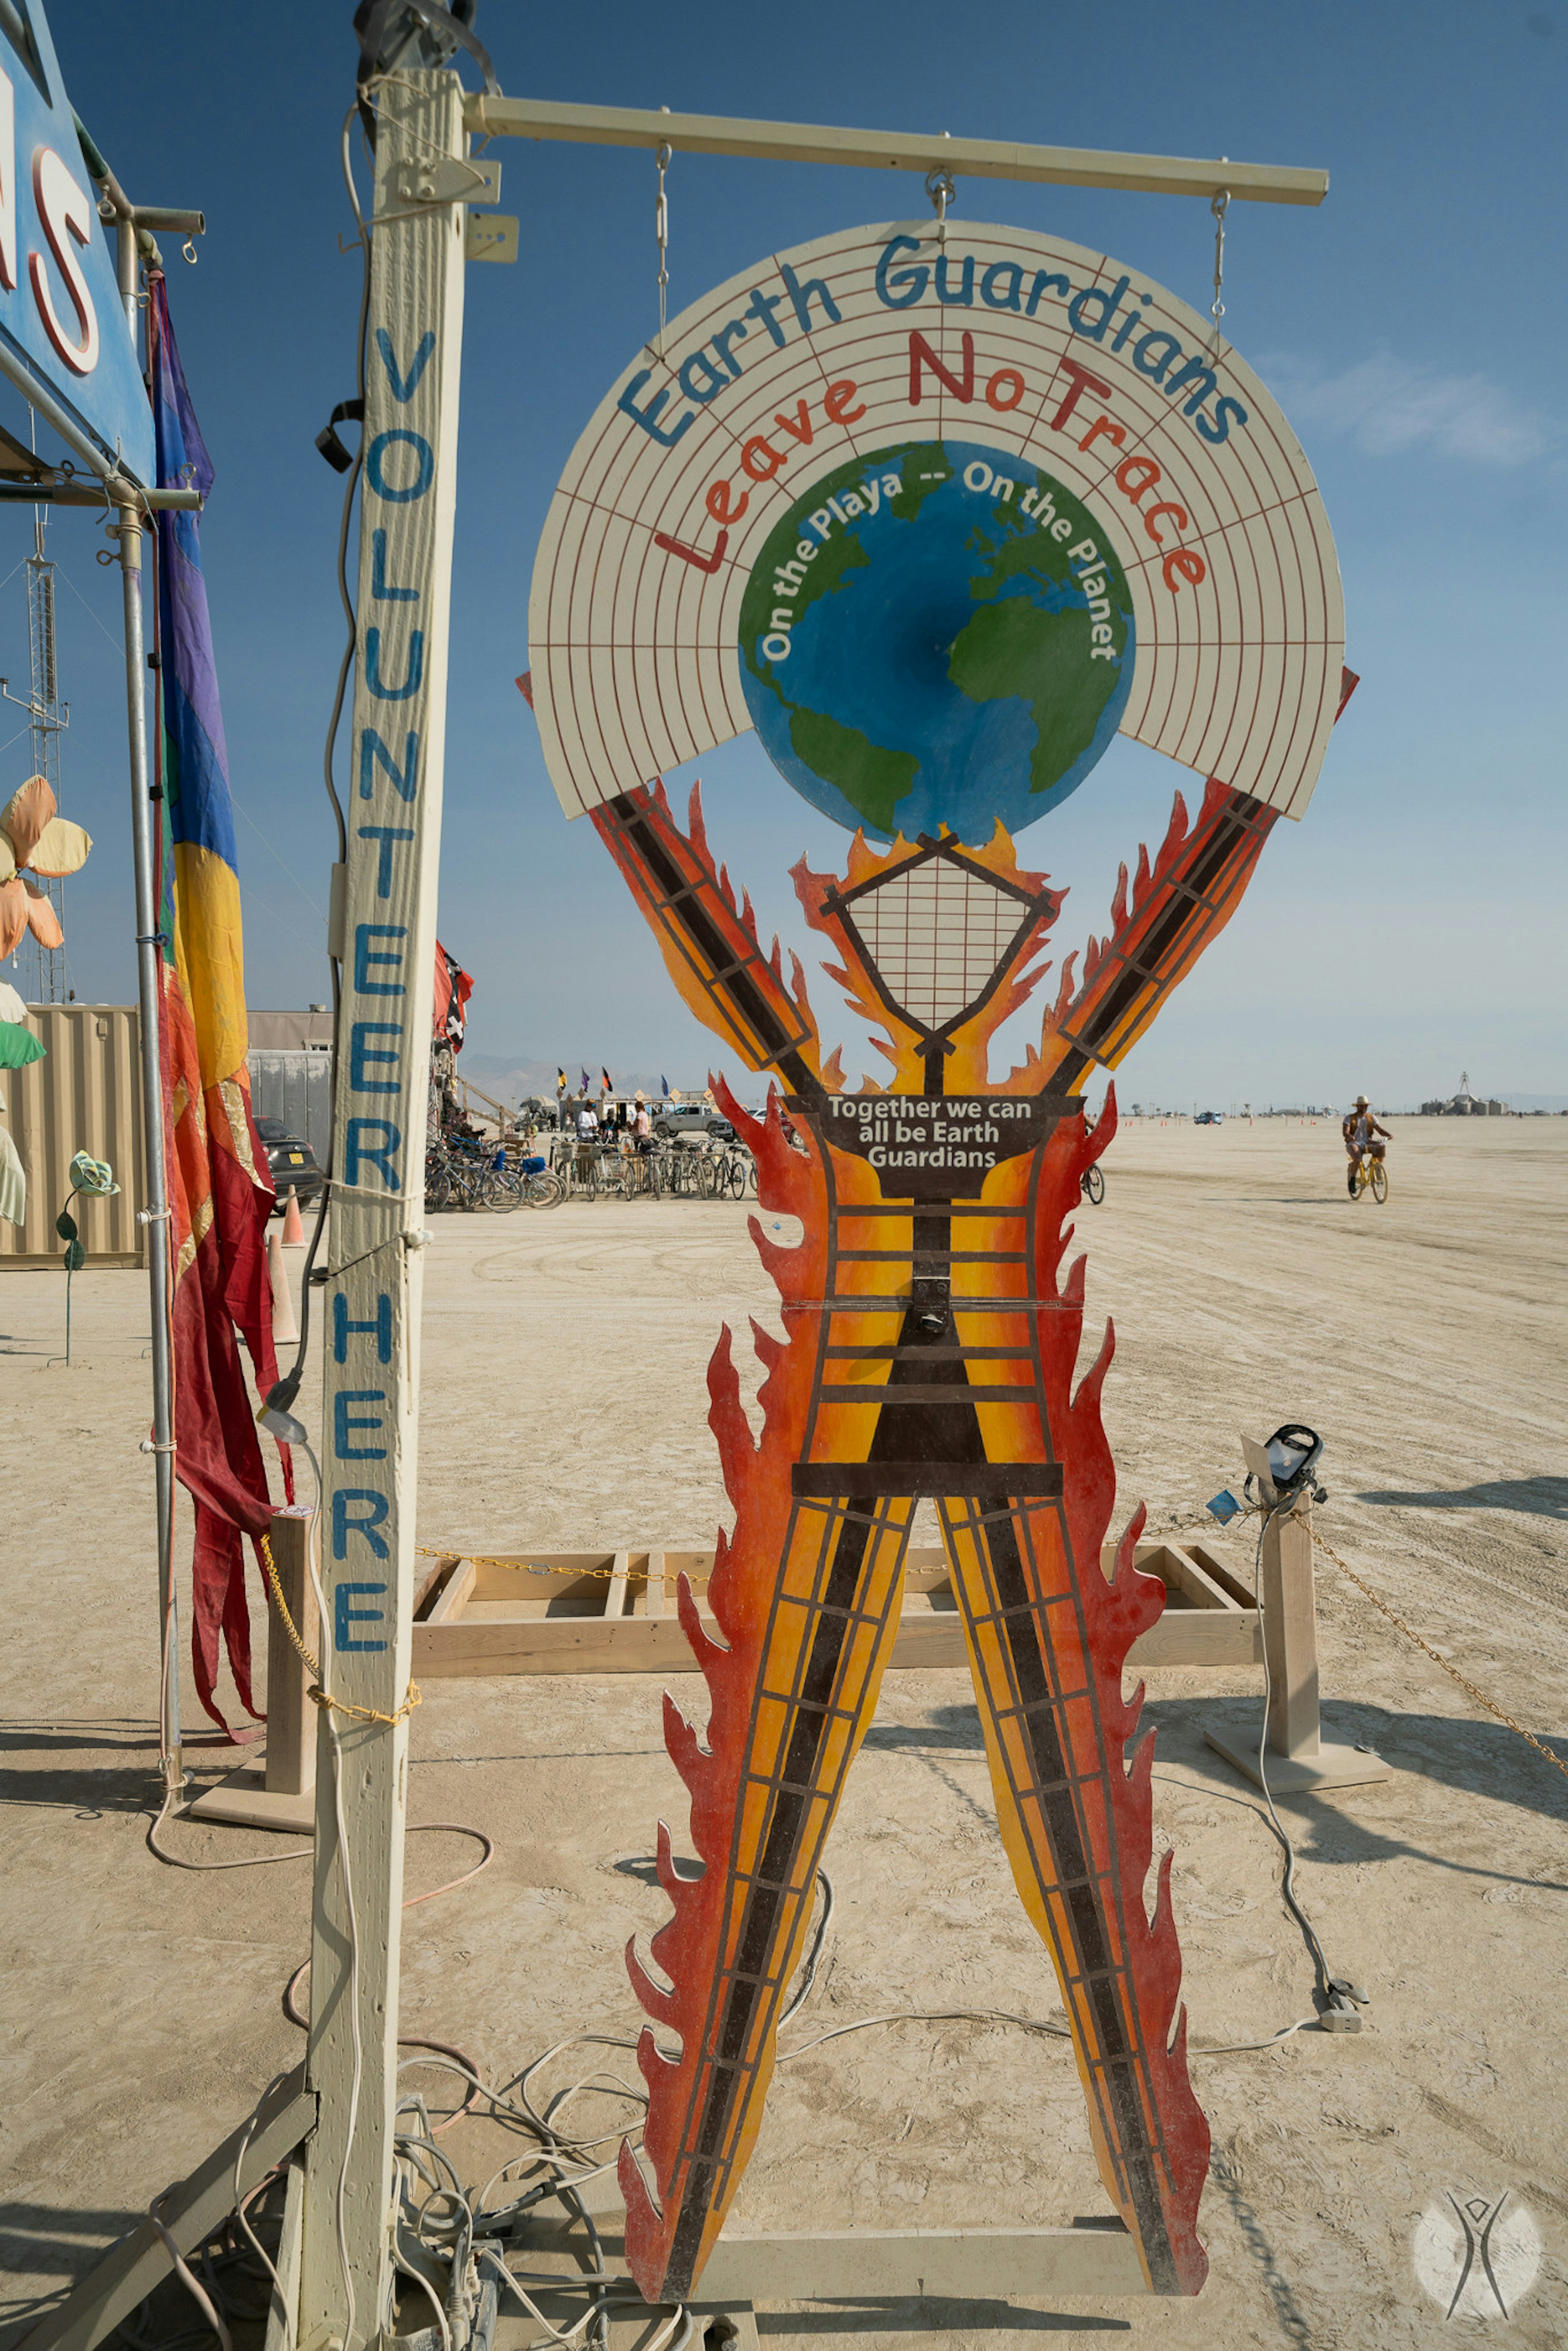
x=295 y=1087
x=84 y=1096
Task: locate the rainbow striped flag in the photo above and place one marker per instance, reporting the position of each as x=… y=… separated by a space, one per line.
x=220 y=1185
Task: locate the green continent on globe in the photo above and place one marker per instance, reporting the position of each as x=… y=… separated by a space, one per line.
x=873 y=780
x=1016 y=640
x=936 y=633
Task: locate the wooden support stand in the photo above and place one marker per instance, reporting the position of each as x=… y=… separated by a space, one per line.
x=1092 y=2257
x=1297 y=1756
x=282 y=1794
x=614 y=1613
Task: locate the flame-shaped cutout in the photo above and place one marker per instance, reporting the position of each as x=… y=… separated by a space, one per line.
x=934 y=939
x=1037 y=1607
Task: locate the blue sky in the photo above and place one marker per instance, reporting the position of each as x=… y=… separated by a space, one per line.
x=1413 y=326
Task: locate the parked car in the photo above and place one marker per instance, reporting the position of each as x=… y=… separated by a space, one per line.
x=1209 y=1118
x=672 y=1123
x=293 y=1162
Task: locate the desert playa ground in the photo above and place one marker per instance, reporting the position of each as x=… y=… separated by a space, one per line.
x=563 y=1406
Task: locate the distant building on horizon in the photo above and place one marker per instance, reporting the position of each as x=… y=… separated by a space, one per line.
x=1465 y=1104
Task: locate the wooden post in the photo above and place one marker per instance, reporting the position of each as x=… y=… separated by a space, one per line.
x=384 y=936
x=1290 y=1632
x=281 y=1797
x=290 y=1716
x=1297 y=1757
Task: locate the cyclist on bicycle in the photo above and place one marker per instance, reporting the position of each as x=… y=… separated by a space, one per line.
x=1361 y=1132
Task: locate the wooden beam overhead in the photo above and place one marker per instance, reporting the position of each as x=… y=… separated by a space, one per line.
x=896 y=151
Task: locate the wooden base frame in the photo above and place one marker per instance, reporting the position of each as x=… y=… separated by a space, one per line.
x=282 y=1794
x=1092 y=2257
x=614 y=1613
x=1292 y=1775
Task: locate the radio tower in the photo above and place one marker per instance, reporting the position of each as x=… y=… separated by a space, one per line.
x=43 y=969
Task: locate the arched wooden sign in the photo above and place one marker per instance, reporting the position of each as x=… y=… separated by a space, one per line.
x=722 y=535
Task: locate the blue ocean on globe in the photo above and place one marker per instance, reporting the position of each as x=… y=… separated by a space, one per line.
x=937 y=635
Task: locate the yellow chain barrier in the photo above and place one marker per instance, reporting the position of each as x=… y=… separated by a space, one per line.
x=1489 y=1705
x=314 y=1692
x=517 y=1567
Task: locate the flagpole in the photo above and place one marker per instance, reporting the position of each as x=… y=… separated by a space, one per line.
x=155 y=1215
x=156 y=1212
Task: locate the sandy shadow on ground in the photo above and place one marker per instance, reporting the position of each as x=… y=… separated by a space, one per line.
x=121 y=1782
x=1478 y=1759
x=44 y=2242
x=947 y=1727
x=1543 y=1497
x=930 y=2316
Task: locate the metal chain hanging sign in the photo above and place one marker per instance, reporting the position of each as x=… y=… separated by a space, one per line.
x=1029 y=439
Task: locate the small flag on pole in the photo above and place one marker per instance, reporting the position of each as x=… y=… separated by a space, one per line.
x=587 y=1082
x=605 y=1086
x=561 y=1081
x=664 y=1088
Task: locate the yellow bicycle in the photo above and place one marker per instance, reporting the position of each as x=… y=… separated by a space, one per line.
x=1369 y=1175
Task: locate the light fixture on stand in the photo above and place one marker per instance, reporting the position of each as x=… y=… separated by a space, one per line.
x=1292 y=1752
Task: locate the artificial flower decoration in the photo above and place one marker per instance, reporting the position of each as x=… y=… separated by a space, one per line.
x=33 y=836
x=94 y=1175
x=18 y=1046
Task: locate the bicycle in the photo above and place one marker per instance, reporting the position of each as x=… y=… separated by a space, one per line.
x=1369 y=1174
x=457 y=1179
x=689 y=1167
x=733 y=1170
x=615 y=1172
x=658 y=1177
x=582 y=1171
x=1093 y=1184
x=539 y=1188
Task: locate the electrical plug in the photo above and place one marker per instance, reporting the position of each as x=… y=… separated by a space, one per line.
x=282 y=1425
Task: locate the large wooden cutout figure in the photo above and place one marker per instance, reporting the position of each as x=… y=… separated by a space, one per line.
x=939 y=519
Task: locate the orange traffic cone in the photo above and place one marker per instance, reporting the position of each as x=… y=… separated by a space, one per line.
x=285 y=1329
x=293 y=1224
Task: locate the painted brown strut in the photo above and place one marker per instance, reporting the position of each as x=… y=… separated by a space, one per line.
x=931 y=1336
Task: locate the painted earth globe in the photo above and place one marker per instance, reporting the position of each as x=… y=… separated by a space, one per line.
x=936 y=633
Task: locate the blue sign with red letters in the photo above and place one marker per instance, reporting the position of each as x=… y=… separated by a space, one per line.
x=60 y=312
